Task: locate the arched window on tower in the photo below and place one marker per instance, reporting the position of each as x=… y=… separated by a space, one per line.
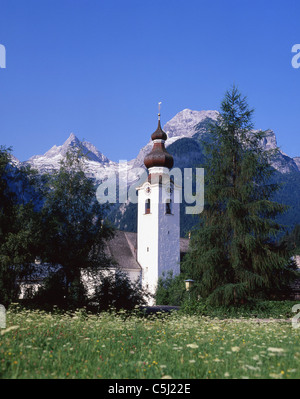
x=169 y=207
x=147 y=206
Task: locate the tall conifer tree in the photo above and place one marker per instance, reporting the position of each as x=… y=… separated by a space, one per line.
x=233 y=254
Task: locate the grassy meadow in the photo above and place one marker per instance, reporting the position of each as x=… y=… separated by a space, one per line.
x=37 y=344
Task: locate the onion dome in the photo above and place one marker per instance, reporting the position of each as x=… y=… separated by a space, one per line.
x=159 y=134
x=159 y=156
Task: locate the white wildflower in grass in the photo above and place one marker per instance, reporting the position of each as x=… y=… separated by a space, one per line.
x=247 y=366
x=12 y=328
x=235 y=349
x=276 y=350
x=193 y=346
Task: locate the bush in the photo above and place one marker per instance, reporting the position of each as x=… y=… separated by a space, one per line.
x=117 y=291
x=170 y=290
x=51 y=293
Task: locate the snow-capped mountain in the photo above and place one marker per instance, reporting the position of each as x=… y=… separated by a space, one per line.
x=97 y=165
x=185 y=124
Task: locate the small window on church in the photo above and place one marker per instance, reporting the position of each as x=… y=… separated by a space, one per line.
x=147 y=206
x=169 y=207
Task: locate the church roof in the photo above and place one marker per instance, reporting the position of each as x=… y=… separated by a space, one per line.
x=159 y=133
x=123 y=249
x=159 y=156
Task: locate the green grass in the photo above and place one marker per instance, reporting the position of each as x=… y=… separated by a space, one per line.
x=38 y=344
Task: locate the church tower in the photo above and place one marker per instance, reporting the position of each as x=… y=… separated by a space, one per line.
x=158 y=245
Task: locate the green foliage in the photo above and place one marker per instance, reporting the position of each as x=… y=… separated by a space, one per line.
x=233 y=253
x=117 y=291
x=288 y=194
x=262 y=309
x=52 y=293
x=170 y=290
x=292 y=240
x=18 y=228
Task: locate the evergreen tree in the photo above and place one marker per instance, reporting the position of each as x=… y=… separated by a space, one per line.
x=233 y=254
x=74 y=232
x=292 y=240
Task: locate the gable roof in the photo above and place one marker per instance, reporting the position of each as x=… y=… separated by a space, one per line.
x=123 y=249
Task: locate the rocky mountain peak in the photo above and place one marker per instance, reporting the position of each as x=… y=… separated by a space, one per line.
x=71 y=140
x=51 y=159
x=297 y=162
x=269 y=142
x=184 y=122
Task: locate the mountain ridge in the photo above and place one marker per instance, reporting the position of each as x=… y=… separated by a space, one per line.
x=185 y=124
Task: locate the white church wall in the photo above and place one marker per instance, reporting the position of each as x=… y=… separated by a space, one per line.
x=147 y=237
x=28 y=289
x=92 y=280
x=158 y=234
x=168 y=239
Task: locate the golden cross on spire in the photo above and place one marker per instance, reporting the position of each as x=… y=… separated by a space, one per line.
x=159 y=110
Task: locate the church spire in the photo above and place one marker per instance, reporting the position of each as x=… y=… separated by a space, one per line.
x=159 y=155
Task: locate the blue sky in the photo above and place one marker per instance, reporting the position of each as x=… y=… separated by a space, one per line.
x=98 y=68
